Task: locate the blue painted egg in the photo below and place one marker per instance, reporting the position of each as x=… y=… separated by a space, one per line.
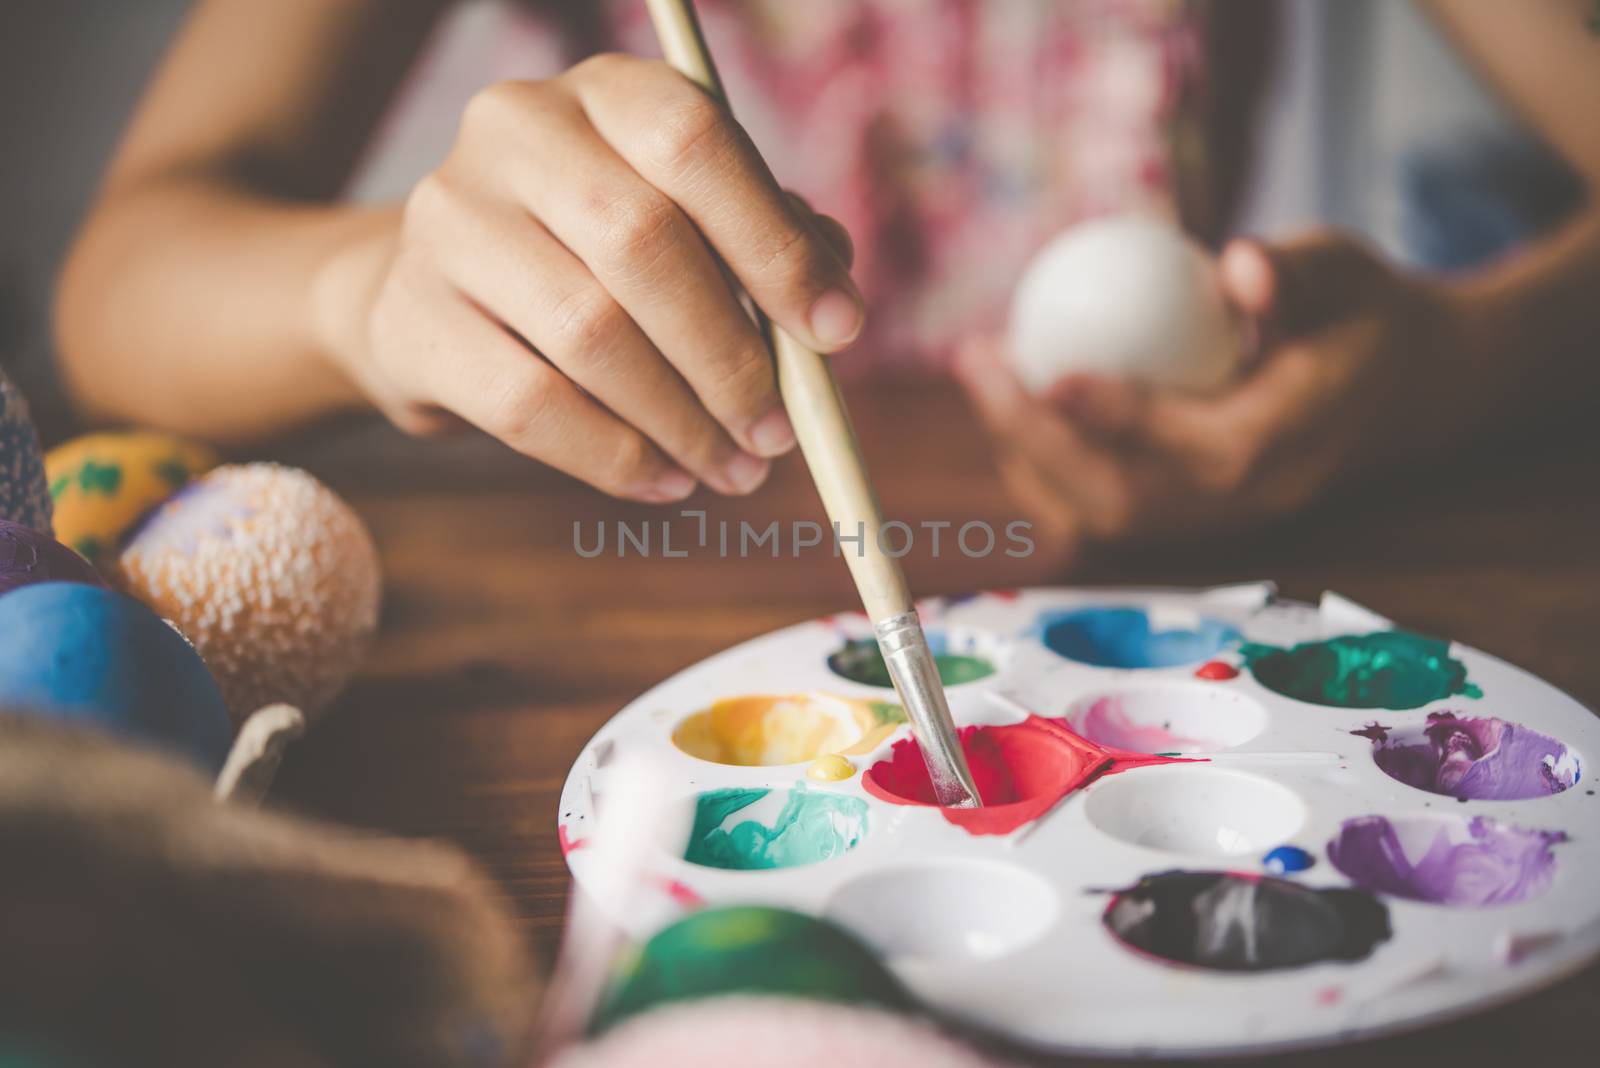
x=96 y=656
x=24 y=497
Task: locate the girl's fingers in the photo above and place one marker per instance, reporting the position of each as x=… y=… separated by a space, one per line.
x=506 y=262
x=688 y=146
x=1297 y=287
x=1058 y=521
x=828 y=228
x=648 y=256
x=455 y=356
x=1089 y=479
x=1112 y=408
x=1247 y=276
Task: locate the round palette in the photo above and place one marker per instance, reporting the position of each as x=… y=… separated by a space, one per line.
x=1214 y=820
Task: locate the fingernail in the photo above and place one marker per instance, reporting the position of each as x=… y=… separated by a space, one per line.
x=745 y=472
x=836 y=317
x=772 y=434
x=675 y=485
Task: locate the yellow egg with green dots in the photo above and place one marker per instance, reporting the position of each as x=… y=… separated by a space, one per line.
x=102 y=485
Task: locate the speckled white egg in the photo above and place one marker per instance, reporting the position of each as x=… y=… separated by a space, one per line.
x=1124 y=295
x=271 y=576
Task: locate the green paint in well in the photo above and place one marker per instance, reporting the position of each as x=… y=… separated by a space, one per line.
x=749 y=949
x=1389 y=669
x=862 y=661
x=811 y=827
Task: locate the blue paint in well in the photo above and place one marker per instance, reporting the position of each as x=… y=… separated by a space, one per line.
x=1287 y=859
x=1119 y=637
x=86 y=654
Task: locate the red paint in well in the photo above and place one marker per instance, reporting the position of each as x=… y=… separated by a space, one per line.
x=1021 y=771
x=1216 y=671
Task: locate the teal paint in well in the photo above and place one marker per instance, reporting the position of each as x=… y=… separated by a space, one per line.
x=1118 y=637
x=812 y=826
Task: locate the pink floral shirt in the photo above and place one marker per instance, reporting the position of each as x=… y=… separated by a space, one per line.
x=952 y=137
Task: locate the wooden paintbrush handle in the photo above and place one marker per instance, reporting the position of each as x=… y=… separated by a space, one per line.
x=810 y=394
x=684 y=46
x=828 y=442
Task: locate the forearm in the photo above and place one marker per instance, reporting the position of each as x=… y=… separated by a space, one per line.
x=1528 y=331
x=200 y=307
x=1531 y=325
x=191 y=300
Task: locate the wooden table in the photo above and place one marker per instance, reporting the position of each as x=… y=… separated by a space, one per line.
x=501 y=650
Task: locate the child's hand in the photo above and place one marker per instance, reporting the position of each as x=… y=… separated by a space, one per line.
x=556 y=283
x=1349 y=376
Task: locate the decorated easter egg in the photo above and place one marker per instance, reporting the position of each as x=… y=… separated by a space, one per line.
x=28 y=556
x=24 y=496
x=103 y=484
x=1128 y=296
x=269 y=573
x=750 y=949
x=90 y=654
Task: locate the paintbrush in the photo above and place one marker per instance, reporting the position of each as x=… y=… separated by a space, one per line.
x=828 y=442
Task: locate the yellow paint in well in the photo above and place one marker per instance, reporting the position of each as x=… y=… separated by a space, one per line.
x=761 y=731
x=830 y=768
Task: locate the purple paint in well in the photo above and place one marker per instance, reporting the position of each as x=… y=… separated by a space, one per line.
x=1476 y=759
x=1446 y=860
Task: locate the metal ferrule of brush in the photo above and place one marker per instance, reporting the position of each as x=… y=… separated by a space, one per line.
x=916 y=679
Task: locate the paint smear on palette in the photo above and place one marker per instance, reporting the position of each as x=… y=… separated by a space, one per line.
x=1476 y=758
x=1386 y=669
x=680 y=892
x=1234 y=922
x=862 y=661
x=1128 y=638
x=811 y=827
x=1446 y=860
x=1021 y=770
x=569 y=843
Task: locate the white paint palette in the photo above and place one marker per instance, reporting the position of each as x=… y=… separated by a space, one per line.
x=1442 y=798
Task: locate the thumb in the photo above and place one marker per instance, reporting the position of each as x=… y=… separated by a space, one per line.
x=1297 y=287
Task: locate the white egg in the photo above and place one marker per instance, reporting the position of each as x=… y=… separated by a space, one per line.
x=1125 y=295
